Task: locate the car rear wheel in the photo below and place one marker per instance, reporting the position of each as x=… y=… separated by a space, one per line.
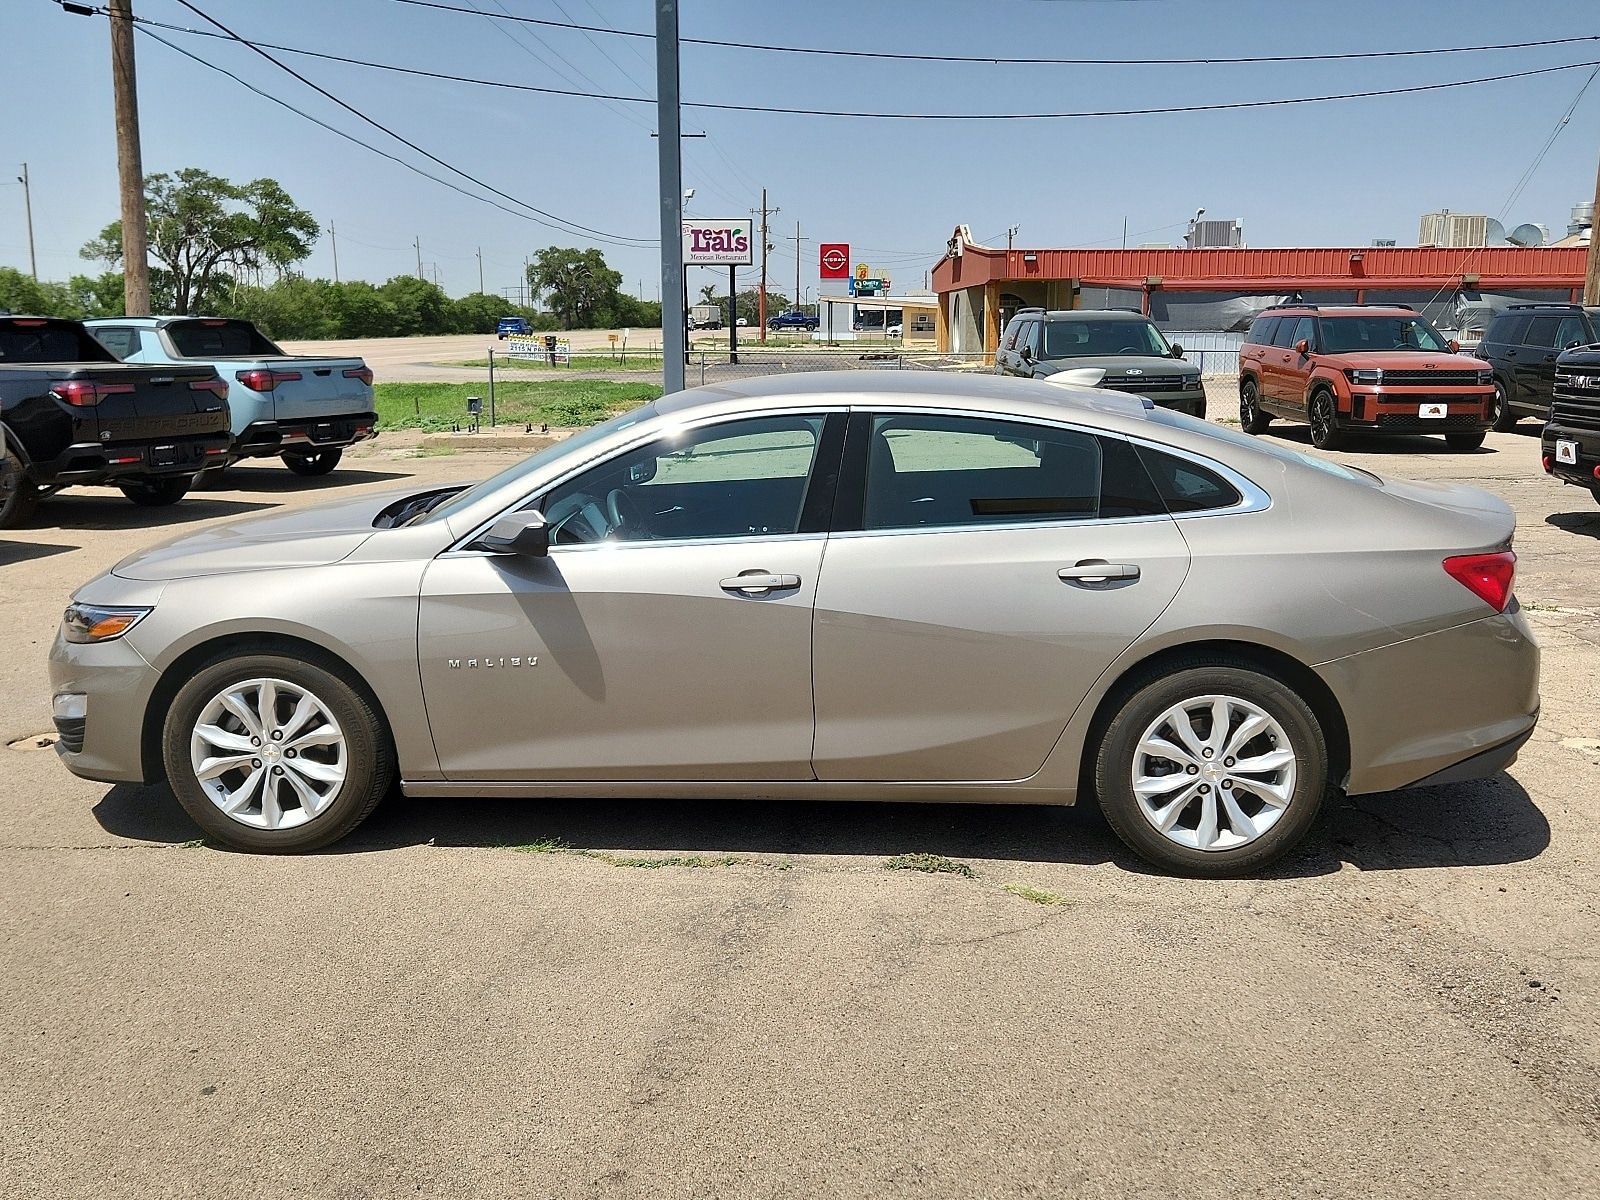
x=1462 y=442
x=19 y=495
x=1212 y=770
x=1324 y=421
x=319 y=462
x=157 y=492
x=1251 y=418
x=272 y=754
x=1504 y=419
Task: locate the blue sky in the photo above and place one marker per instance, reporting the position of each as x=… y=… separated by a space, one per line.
x=1328 y=174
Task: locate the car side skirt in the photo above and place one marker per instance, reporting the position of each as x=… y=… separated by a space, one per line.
x=727 y=789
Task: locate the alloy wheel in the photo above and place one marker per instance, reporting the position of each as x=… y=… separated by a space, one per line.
x=268 y=753
x=1324 y=427
x=1214 y=773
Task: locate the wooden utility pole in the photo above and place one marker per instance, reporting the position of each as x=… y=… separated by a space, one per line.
x=480 y=270
x=333 y=239
x=418 y=245
x=761 y=299
x=27 y=206
x=797 y=264
x=130 y=163
x=1591 y=280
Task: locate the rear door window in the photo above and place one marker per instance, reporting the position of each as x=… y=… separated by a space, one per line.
x=1283 y=335
x=208 y=337
x=1541 y=331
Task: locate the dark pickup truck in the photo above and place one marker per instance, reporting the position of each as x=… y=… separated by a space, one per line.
x=1571 y=437
x=70 y=413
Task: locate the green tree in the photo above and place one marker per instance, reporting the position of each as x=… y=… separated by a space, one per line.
x=21 y=294
x=203 y=229
x=576 y=284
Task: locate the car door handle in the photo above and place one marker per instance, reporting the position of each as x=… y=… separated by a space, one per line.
x=755 y=583
x=1097 y=572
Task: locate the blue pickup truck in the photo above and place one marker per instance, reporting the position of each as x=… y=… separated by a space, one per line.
x=794 y=319
x=302 y=410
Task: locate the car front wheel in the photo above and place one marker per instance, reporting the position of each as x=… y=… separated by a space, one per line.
x=157 y=492
x=1504 y=419
x=1324 y=421
x=1212 y=770
x=272 y=754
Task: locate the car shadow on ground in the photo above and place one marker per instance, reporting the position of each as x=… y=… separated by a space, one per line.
x=80 y=510
x=16 y=552
x=1586 y=523
x=284 y=481
x=1482 y=823
x=1377 y=443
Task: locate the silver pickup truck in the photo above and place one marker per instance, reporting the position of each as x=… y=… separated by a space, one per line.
x=304 y=410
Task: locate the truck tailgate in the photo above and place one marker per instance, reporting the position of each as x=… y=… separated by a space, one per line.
x=163 y=402
x=322 y=388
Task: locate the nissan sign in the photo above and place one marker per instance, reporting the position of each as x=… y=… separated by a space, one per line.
x=708 y=243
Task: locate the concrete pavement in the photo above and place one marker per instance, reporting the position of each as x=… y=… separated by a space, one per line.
x=1409 y=1006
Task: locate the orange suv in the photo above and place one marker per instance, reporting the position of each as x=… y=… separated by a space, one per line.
x=1377 y=368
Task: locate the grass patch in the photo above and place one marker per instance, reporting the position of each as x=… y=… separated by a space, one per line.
x=1037 y=895
x=933 y=864
x=191 y=844
x=563 y=402
x=556 y=846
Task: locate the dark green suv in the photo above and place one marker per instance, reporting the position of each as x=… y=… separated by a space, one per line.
x=1124 y=343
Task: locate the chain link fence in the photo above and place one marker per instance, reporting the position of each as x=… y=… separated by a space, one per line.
x=713 y=366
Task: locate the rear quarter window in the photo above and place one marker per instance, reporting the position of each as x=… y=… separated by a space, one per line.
x=205 y=338
x=1185 y=486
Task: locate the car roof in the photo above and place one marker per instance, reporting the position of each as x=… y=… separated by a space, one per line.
x=1083 y=314
x=1338 y=310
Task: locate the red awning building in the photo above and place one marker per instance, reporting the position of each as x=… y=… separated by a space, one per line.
x=979 y=287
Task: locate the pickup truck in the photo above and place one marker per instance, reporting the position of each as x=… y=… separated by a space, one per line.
x=793 y=320
x=70 y=413
x=303 y=410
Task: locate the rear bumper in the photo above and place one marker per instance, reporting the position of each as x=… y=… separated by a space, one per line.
x=99 y=462
x=1582 y=472
x=1418 y=708
x=265 y=439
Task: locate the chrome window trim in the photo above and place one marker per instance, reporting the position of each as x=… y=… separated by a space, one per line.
x=461 y=544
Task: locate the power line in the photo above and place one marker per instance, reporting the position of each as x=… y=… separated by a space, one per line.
x=1032 y=61
x=349 y=137
x=615 y=238
x=825 y=112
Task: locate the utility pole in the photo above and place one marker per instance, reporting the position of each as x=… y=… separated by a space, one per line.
x=333 y=239
x=1011 y=232
x=761 y=299
x=418 y=244
x=480 y=270
x=797 y=264
x=27 y=206
x=669 y=171
x=1591 y=280
x=130 y=163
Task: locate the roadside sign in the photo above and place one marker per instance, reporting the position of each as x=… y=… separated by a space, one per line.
x=835 y=260
x=712 y=243
x=539 y=347
x=868 y=287
x=863 y=271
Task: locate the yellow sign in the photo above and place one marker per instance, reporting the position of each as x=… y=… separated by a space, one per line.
x=611 y=337
x=863 y=271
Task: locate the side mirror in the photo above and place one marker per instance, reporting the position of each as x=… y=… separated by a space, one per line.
x=524 y=532
x=1455 y=346
x=1302 y=346
x=1027 y=354
x=1177 y=350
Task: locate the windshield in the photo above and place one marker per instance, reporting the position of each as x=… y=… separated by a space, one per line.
x=538 y=461
x=1356 y=335
x=1104 y=339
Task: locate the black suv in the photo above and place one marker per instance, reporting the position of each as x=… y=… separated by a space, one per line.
x=1571 y=439
x=1522 y=344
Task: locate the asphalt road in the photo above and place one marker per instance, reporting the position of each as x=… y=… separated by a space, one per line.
x=1408 y=1007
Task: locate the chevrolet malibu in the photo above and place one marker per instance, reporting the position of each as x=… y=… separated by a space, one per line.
x=864 y=586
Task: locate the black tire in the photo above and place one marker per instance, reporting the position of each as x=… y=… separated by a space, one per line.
x=157 y=492
x=19 y=495
x=1146 y=702
x=318 y=462
x=1251 y=418
x=1504 y=419
x=1463 y=443
x=1594 y=490
x=209 y=480
x=1198 y=410
x=1323 y=415
x=368 y=759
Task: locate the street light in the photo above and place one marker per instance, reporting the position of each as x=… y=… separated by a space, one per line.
x=1194 y=221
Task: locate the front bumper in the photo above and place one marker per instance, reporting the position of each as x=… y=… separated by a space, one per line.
x=1581 y=473
x=107 y=743
x=97 y=462
x=266 y=439
x=1419 y=707
x=1395 y=411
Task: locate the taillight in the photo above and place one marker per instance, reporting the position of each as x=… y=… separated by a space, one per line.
x=362 y=373
x=28 y=323
x=1486 y=576
x=217 y=386
x=258 y=380
x=85 y=393
x=1548 y=463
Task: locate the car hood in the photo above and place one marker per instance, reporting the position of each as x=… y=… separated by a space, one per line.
x=299 y=537
x=1116 y=366
x=1403 y=360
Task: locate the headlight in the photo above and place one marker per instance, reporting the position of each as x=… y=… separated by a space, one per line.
x=1485 y=377
x=1363 y=375
x=97 y=623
